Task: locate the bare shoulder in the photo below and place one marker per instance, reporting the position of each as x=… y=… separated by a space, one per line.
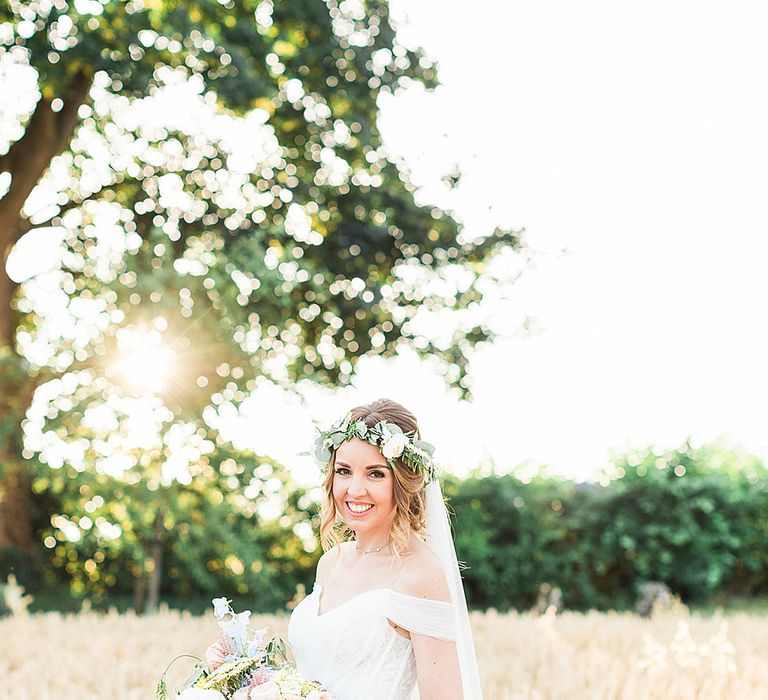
x=422 y=576
x=325 y=561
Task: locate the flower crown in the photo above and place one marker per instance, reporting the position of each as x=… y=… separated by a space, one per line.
x=389 y=437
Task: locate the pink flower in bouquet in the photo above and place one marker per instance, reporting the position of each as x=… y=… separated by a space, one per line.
x=216 y=654
x=259 y=676
x=266 y=691
x=319 y=695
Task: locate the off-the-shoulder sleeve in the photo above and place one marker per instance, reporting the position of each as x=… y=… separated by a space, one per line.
x=433 y=618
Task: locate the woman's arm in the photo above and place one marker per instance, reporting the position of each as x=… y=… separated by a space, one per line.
x=437 y=662
x=437 y=668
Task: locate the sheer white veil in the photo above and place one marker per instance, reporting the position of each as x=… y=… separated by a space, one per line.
x=440 y=541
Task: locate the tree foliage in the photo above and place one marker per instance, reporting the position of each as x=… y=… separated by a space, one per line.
x=240 y=527
x=227 y=208
x=312 y=233
x=702 y=532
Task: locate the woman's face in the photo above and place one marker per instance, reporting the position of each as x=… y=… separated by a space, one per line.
x=363 y=488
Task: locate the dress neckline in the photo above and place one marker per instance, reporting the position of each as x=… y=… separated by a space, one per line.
x=318 y=588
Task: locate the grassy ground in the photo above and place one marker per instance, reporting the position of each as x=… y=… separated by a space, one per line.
x=61 y=600
x=675 y=656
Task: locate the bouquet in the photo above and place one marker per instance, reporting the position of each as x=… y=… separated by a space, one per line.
x=239 y=666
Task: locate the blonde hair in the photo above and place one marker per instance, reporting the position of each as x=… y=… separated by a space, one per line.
x=408 y=486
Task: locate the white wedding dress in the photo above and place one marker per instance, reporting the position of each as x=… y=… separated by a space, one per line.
x=354 y=652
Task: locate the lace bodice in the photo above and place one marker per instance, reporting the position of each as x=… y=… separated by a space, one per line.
x=354 y=651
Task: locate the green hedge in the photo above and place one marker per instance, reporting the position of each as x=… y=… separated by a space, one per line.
x=695 y=519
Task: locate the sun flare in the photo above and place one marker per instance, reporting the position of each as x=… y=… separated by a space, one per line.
x=144 y=363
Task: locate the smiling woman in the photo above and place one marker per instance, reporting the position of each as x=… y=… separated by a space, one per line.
x=387 y=617
x=364 y=494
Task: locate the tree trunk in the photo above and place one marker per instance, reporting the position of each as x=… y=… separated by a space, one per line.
x=46 y=135
x=156 y=574
x=139 y=590
x=16 y=529
x=17 y=387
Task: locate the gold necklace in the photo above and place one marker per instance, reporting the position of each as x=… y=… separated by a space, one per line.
x=370 y=551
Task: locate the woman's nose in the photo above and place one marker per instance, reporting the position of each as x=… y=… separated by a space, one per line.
x=356 y=486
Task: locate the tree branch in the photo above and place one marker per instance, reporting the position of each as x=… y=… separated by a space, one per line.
x=77 y=94
x=46 y=134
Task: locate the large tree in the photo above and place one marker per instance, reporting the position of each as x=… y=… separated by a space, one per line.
x=303 y=248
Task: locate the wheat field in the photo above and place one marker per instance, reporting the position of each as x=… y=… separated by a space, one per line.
x=88 y=656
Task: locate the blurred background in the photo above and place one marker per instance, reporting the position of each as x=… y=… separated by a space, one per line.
x=540 y=228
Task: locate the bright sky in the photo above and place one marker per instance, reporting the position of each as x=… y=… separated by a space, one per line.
x=633 y=138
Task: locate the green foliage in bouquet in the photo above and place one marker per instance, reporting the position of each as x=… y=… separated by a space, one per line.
x=228 y=677
x=161 y=692
x=276 y=655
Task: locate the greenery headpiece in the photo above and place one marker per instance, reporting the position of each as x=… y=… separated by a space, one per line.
x=389 y=437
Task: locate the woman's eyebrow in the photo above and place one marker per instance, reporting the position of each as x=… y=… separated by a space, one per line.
x=370 y=466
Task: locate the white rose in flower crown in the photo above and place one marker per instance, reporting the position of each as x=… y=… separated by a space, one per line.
x=198 y=694
x=393 y=446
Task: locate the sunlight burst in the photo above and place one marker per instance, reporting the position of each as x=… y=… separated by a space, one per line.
x=144 y=362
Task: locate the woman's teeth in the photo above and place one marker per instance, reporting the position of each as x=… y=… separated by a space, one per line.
x=358 y=509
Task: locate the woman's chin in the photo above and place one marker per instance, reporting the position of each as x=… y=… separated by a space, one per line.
x=358 y=525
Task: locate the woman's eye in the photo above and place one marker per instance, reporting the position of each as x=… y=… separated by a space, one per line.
x=342 y=470
x=377 y=474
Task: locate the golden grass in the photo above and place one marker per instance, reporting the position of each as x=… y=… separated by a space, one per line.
x=677 y=656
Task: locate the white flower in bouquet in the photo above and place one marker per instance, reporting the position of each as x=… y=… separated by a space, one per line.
x=256 y=645
x=220 y=607
x=288 y=680
x=237 y=627
x=198 y=694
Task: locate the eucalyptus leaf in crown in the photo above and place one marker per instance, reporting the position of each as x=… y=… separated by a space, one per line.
x=389 y=437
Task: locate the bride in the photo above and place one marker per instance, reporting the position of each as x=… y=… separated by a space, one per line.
x=387 y=618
